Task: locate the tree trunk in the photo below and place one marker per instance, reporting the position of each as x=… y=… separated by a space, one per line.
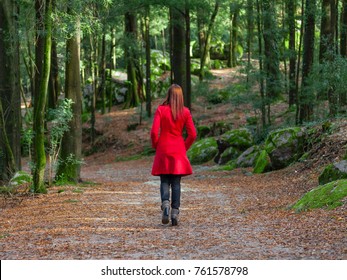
x=292 y=52
x=53 y=92
x=10 y=115
x=179 y=48
x=71 y=147
x=148 y=64
x=39 y=156
x=271 y=52
x=250 y=27
x=135 y=86
x=261 y=76
x=207 y=45
x=327 y=31
x=305 y=101
x=102 y=88
x=234 y=18
x=187 y=93
x=343 y=30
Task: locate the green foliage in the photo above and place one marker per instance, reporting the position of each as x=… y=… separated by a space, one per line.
x=263 y=163
x=326 y=196
x=59 y=119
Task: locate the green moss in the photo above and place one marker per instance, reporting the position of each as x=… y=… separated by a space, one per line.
x=332 y=173
x=282 y=138
x=203 y=130
x=238 y=138
x=327 y=196
x=263 y=163
x=203 y=151
x=230 y=153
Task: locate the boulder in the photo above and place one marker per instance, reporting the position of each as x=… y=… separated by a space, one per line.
x=248 y=157
x=241 y=139
x=228 y=155
x=203 y=150
x=262 y=163
x=285 y=146
x=333 y=172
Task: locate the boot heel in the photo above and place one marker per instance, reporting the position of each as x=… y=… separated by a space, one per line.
x=166 y=212
x=174 y=217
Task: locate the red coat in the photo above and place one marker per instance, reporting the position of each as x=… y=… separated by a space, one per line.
x=171 y=147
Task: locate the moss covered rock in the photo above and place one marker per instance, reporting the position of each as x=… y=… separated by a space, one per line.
x=228 y=155
x=241 y=138
x=285 y=146
x=203 y=150
x=326 y=196
x=248 y=157
x=333 y=172
x=203 y=130
x=262 y=163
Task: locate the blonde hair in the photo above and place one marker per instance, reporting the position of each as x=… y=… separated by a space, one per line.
x=174 y=98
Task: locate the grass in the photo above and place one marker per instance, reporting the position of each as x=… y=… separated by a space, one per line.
x=328 y=196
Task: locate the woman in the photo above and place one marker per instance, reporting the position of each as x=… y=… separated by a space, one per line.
x=171 y=161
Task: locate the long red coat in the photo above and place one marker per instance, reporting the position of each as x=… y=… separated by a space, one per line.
x=171 y=147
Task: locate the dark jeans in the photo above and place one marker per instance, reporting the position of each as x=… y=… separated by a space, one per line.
x=174 y=181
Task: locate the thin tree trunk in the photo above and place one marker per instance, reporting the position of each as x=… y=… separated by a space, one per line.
x=148 y=64
x=187 y=93
x=249 y=36
x=292 y=52
x=343 y=30
x=208 y=40
x=40 y=104
x=261 y=76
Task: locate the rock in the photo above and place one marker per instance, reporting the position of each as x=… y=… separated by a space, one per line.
x=203 y=130
x=248 y=157
x=241 y=139
x=333 y=172
x=238 y=138
x=228 y=155
x=263 y=163
x=330 y=195
x=203 y=150
x=285 y=146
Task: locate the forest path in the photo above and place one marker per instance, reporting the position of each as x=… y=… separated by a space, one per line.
x=224 y=215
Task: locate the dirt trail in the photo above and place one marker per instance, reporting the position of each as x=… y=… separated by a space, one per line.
x=224 y=215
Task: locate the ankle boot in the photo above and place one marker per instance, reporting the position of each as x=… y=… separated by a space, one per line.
x=165 y=207
x=174 y=216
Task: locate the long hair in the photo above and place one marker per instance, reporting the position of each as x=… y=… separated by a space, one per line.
x=174 y=98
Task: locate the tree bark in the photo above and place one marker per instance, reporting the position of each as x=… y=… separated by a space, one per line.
x=271 y=51
x=292 y=52
x=179 y=48
x=71 y=147
x=305 y=101
x=343 y=30
x=207 y=45
x=10 y=115
x=39 y=155
x=148 y=63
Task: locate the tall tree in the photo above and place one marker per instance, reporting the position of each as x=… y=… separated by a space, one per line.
x=148 y=63
x=39 y=156
x=135 y=92
x=291 y=6
x=207 y=44
x=305 y=99
x=178 y=47
x=71 y=148
x=271 y=53
x=234 y=19
x=10 y=115
x=343 y=30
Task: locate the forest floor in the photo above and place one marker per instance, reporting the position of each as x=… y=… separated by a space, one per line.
x=115 y=213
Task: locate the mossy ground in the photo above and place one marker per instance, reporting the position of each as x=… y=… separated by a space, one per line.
x=327 y=196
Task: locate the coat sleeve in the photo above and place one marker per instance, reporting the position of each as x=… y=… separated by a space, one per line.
x=155 y=129
x=191 y=131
